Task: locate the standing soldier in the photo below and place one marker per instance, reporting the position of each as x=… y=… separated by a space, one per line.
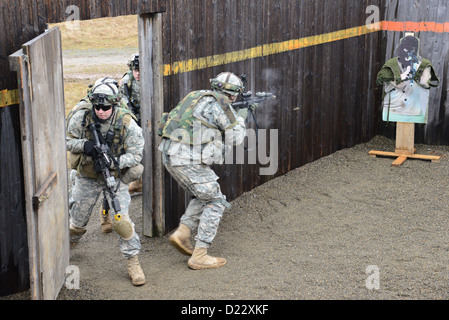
x=125 y=141
x=188 y=155
x=130 y=91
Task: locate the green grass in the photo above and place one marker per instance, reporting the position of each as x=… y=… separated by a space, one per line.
x=74 y=91
x=103 y=33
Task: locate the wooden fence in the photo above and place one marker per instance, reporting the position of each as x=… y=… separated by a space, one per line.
x=302 y=51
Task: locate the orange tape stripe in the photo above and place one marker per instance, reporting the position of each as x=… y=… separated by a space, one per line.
x=415 y=26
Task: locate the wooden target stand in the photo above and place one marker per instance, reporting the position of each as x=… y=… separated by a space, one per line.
x=405 y=139
x=405 y=142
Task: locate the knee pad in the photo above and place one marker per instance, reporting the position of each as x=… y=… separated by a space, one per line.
x=124 y=228
x=132 y=174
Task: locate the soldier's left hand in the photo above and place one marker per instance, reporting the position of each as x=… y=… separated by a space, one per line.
x=253 y=107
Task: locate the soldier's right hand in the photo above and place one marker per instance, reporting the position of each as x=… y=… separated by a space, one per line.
x=89 y=148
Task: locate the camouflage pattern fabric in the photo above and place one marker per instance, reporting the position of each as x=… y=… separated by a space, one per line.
x=133 y=139
x=83 y=197
x=212 y=123
x=189 y=165
x=180 y=123
x=134 y=91
x=206 y=208
x=85 y=191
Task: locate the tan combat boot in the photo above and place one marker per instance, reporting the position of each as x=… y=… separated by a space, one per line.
x=201 y=260
x=180 y=239
x=135 y=186
x=75 y=234
x=135 y=271
x=105 y=221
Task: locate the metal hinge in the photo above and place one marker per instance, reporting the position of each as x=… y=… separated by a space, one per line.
x=9 y=97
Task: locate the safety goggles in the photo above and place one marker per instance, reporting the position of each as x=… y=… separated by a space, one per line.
x=102 y=107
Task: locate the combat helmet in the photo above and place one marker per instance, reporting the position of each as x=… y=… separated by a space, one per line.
x=228 y=83
x=104 y=93
x=105 y=80
x=133 y=63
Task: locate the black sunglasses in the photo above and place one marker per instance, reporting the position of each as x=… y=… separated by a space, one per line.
x=102 y=107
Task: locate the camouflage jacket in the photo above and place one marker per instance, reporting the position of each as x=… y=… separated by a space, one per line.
x=204 y=132
x=127 y=145
x=132 y=99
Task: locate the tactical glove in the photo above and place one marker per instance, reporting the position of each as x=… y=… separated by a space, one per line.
x=253 y=107
x=89 y=148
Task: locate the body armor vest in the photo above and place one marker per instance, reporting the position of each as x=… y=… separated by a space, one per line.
x=114 y=138
x=180 y=121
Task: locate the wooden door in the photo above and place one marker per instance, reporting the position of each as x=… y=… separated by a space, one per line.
x=42 y=112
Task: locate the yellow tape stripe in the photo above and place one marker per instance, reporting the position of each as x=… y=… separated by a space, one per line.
x=265 y=50
x=9 y=97
x=289 y=45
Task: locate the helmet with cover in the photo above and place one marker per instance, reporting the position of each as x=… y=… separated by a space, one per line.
x=133 y=63
x=104 y=93
x=228 y=83
x=106 y=80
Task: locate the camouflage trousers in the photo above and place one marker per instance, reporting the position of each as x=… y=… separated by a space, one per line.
x=82 y=199
x=206 y=208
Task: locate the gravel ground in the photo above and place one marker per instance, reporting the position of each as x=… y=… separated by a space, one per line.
x=315 y=233
x=310 y=234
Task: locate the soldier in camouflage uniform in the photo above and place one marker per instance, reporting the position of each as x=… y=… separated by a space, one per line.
x=126 y=142
x=192 y=141
x=130 y=92
x=105 y=220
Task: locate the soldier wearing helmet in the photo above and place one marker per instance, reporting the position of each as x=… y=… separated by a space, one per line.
x=130 y=91
x=124 y=137
x=105 y=221
x=196 y=134
x=130 y=86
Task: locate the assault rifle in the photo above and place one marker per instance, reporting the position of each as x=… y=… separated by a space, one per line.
x=248 y=99
x=104 y=160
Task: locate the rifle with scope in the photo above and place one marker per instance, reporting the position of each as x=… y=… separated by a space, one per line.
x=248 y=99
